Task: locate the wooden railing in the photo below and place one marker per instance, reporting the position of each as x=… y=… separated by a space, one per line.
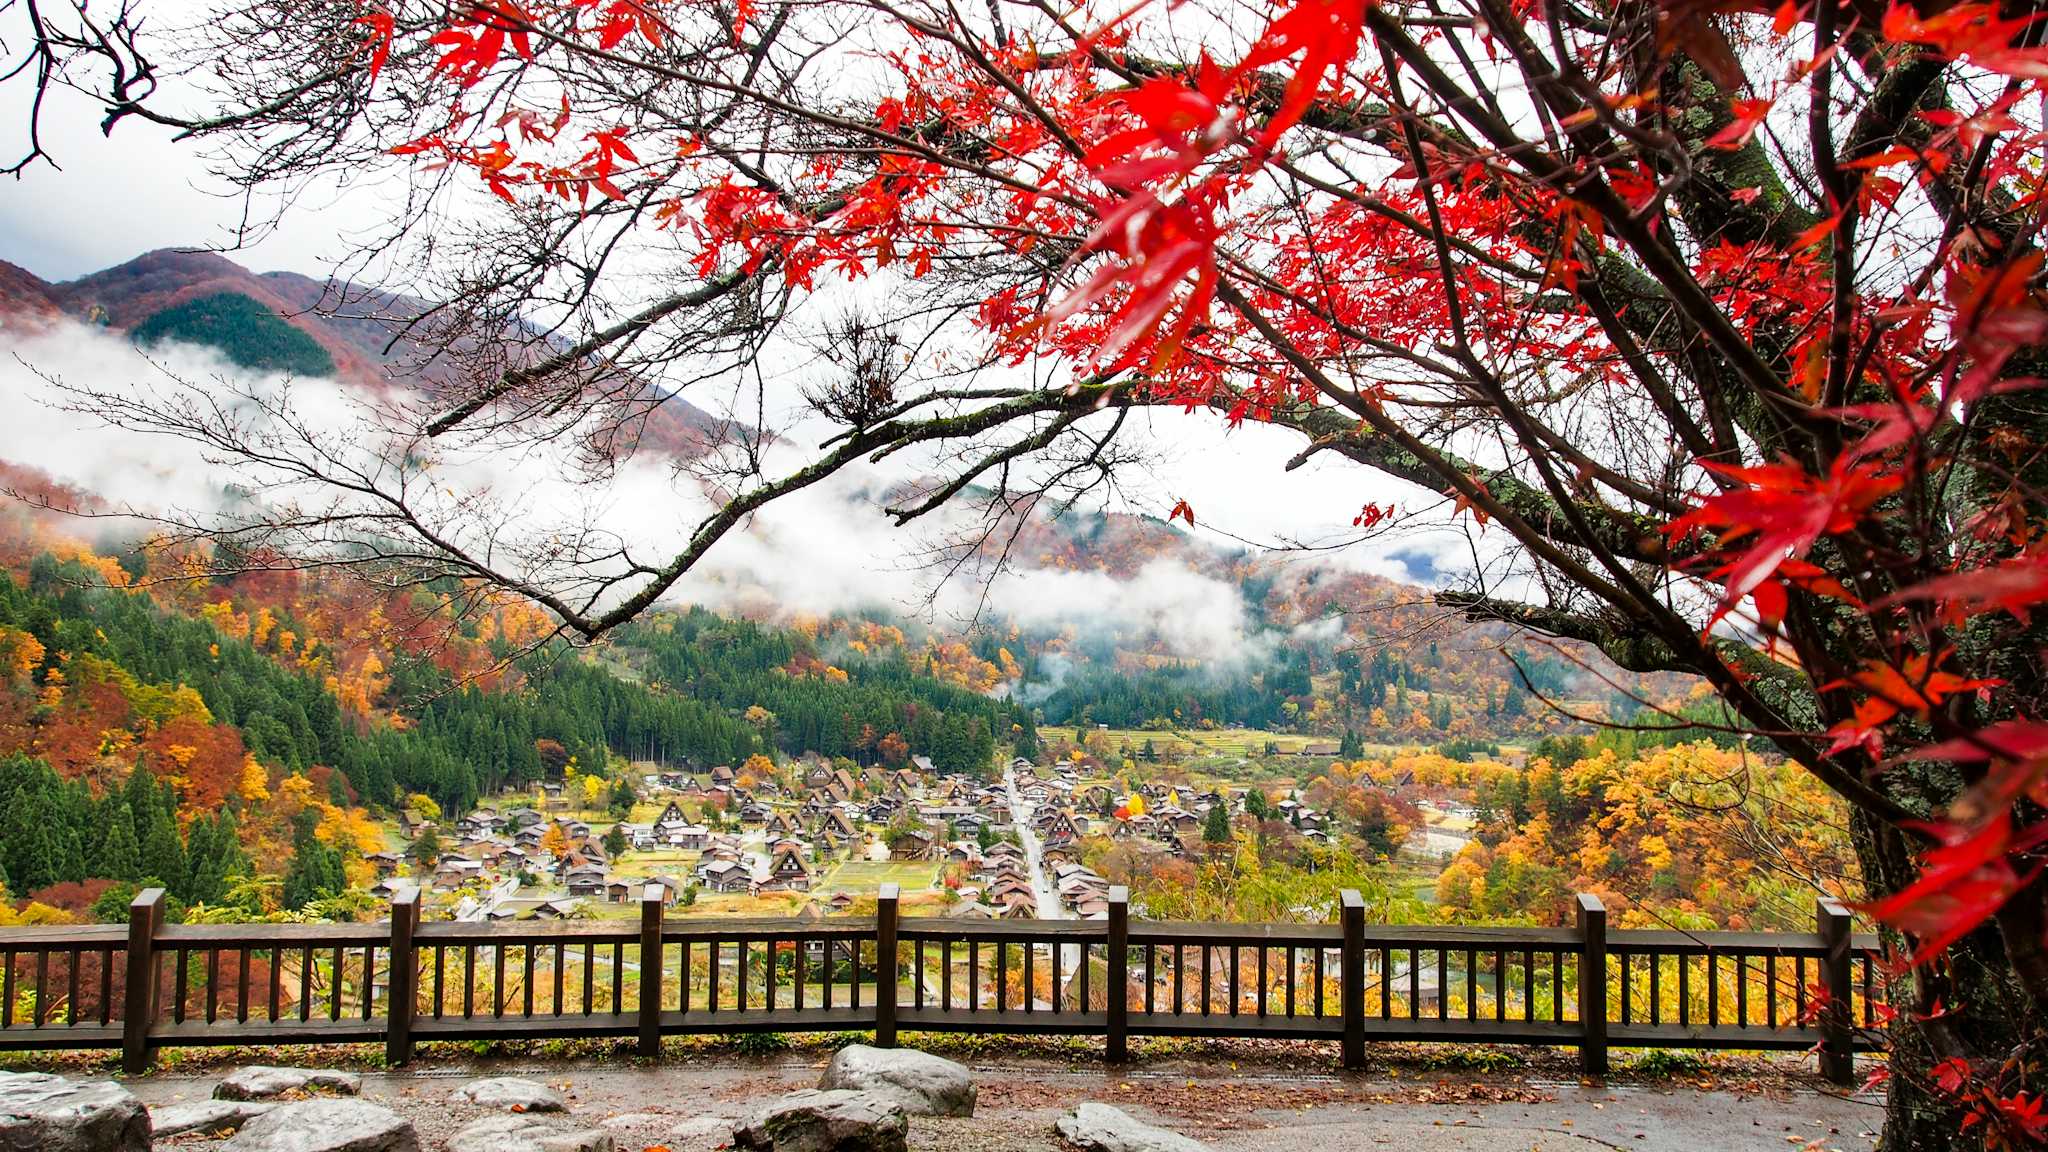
x=1585 y=986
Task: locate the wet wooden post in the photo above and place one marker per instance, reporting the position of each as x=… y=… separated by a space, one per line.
x=1592 y=985
x=145 y=914
x=401 y=992
x=1351 y=997
x=650 y=971
x=1837 y=1030
x=886 y=974
x=1116 y=989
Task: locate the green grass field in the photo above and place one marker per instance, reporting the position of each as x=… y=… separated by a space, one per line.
x=1197 y=742
x=863 y=877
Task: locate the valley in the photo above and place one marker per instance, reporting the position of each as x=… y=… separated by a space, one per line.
x=271 y=747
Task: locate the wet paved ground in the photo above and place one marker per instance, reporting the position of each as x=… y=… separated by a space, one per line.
x=691 y=1107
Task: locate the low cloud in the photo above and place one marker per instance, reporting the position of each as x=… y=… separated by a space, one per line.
x=826 y=549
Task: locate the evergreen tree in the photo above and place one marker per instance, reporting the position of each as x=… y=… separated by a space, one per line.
x=1216 y=830
x=213 y=852
x=315 y=873
x=163 y=853
x=426 y=847
x=1255 y=804
x=120 y=855
x=1025 y=742
x=1351 y=747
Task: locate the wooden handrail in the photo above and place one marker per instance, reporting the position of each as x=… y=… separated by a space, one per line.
x=1587 y=986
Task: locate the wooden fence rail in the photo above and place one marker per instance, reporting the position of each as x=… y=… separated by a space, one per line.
x=403 y=981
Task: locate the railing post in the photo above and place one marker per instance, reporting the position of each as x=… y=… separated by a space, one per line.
x=138 y=1012
x=1117 y=993
x=401 y=990
x=650 y=970
x=1593 y=985
x=1351 y=997
x=1837 y=1047
x=886 y=973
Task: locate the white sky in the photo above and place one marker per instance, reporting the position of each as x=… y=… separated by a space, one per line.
x=114 y=199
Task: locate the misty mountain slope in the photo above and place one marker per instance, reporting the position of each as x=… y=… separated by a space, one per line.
x=362 y=329
x=1105 y=616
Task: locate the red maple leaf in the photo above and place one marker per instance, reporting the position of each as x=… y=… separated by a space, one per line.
x=2018 y=750
x=1154 y=247
x=1951 y=1074
x=1963 y=881
x=1748 y=116
x=2014 y=586
x=1178 y=128
x=382 y=26
x=1781 y=511
x=1326 y=33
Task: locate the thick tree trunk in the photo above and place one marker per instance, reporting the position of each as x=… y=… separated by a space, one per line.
x=1986 y=1013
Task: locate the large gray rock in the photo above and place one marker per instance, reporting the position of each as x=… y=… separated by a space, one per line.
x=512 y=1094
x=262 y=1082
x=44 y=1113
x=326 y=1126
x=924 y=1084
x=832 y=1121
x=204 y=1116
x=1101 y=1128
x=517 y=1133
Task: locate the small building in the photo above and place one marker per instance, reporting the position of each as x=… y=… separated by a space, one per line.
x=586 y=880
x=788 y=873
x=725 y=876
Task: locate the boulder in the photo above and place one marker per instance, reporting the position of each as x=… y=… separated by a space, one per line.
x=924 y=1084
x=1101 y=1128
x=828 y=1121
x=204 y=1116
x=261 y=1082
x=517 y=1133
x=512 y=1094
x=700 y=1127
x=44 y=1113
x=326 y=1126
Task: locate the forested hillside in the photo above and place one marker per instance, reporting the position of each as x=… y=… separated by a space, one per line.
x=202 y=733
x=811 y=705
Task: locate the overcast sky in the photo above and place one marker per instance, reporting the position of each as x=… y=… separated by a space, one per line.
x=113 y=199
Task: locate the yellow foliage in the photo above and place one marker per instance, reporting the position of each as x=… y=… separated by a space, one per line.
x=296 y=790
x=33 y=915
x=1656 y=852
x=20 y=652
x=255 y=783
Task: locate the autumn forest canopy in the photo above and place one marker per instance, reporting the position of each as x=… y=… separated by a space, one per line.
x=1717 y=327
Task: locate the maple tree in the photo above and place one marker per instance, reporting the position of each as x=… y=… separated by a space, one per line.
x=1723 y=319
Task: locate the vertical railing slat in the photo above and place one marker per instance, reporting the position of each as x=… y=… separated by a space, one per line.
x=1592 y=917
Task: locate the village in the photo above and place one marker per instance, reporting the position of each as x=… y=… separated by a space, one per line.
x=809 y=839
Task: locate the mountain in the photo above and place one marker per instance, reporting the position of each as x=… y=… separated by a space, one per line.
x=24 y=296
x=1203 y=634
x=360 y=330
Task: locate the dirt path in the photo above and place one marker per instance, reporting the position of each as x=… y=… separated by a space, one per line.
x=690 y=1108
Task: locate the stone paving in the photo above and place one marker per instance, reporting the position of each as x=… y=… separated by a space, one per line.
x=692 y=1107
